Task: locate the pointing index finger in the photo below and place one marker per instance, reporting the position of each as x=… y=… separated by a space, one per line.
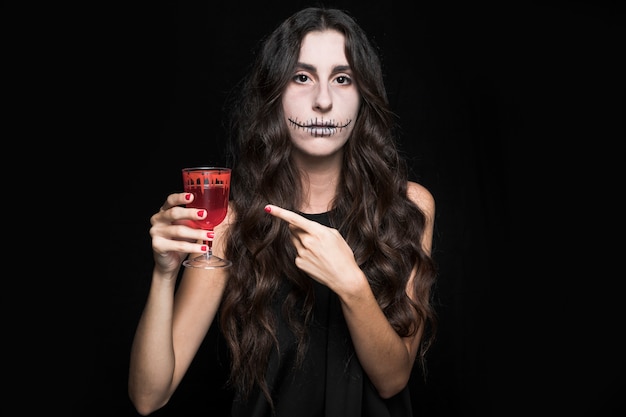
x=288 y=216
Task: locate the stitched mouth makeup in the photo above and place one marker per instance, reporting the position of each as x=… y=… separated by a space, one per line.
x=319 y=128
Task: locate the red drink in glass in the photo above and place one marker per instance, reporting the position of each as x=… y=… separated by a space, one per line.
x=210 y=187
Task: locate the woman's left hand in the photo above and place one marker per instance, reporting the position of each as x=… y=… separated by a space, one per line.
x=321 y=251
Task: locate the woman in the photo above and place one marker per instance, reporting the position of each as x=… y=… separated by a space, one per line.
x=327 y=304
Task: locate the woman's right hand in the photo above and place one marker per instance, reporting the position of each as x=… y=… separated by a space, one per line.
x=173 y=236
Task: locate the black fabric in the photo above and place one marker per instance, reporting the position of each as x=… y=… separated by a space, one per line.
x=331 y=382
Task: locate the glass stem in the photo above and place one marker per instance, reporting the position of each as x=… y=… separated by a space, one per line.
x=209 y=253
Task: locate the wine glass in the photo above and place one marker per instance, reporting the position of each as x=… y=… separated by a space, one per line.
x=210 y=187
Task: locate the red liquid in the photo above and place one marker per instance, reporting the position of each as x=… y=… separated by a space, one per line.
x=214 y=199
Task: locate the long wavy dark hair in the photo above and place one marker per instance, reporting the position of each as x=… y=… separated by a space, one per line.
x=371 y=209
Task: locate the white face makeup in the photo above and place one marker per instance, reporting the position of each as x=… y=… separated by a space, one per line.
x=321 y=102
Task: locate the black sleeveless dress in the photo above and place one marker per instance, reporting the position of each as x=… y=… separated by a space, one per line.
x=330 y=382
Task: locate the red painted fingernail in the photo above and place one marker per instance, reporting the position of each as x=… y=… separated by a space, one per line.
x=187 y=197
x=210 y=235
x=200 y=213
x=268 y=209
x=203 y=248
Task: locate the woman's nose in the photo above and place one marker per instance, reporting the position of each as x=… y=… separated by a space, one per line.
x=323 y=99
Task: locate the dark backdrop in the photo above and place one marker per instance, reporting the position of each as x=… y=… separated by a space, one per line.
x=493 y=101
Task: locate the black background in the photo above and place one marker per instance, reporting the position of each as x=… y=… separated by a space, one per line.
x=511 y=113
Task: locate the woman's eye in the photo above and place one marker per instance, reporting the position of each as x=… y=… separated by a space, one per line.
x=301 y=78
x=343 y=80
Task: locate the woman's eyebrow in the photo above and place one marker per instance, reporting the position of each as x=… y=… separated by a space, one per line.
x=306 y=67
x=312 y=68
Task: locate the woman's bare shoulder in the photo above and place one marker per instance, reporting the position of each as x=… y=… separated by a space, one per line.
x=422 y=197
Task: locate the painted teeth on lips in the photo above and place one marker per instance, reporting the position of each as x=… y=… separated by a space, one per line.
x=322 y=131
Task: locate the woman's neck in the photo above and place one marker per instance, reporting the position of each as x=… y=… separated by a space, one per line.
x=318 y=192
x=319 y=186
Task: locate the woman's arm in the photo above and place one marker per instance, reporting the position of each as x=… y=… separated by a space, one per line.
x=386 y=357
x=174 y=322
